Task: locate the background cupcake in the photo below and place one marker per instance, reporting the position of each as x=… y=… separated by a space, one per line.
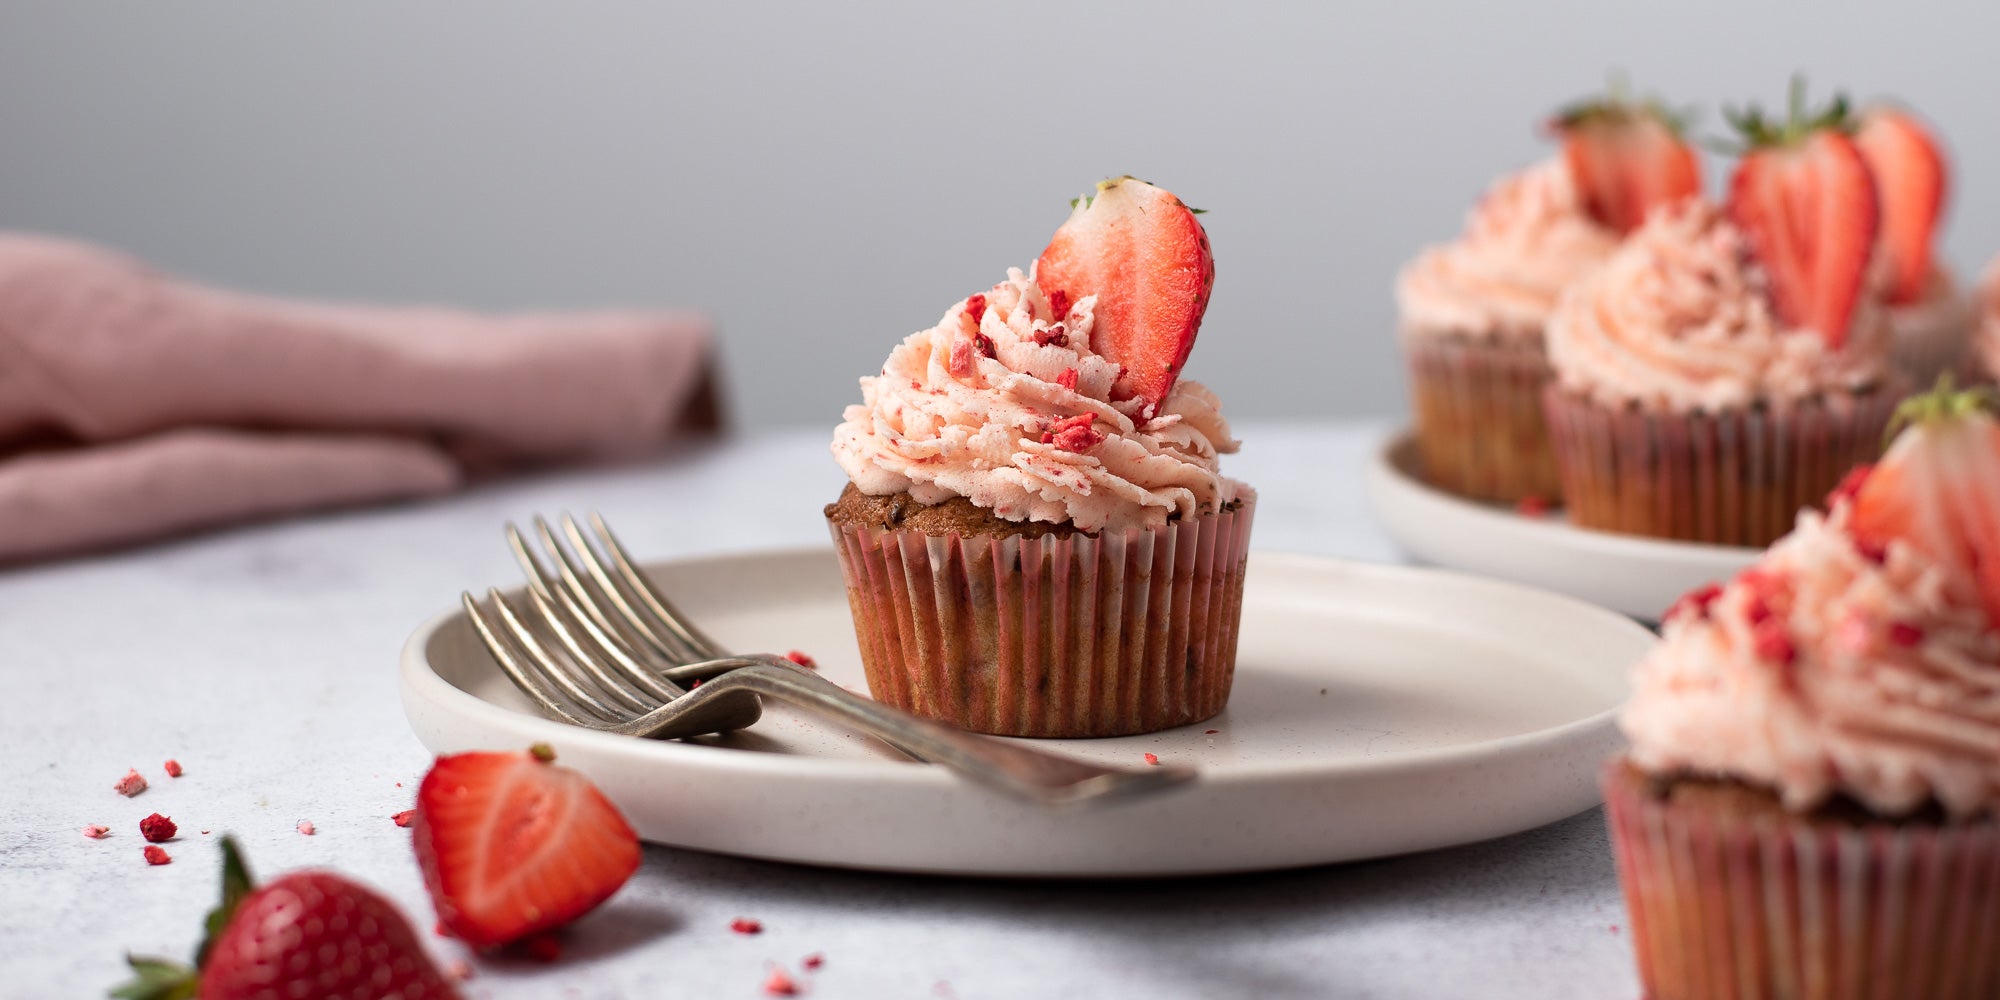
x=1718 y=373
x=1984 y=362
x=1037 y=539
x=1930 y=315
x=1473 y=310
x=1807 y=808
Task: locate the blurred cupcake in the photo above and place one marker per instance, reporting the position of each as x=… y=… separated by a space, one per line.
x=1473 y=311
x=1930 y=316
x=1036 y=538
x=1984 y=364
x=1717 y=374
x=1808 y=805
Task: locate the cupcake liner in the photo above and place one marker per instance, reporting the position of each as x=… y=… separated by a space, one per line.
x=1109 y=635
x=1480 y=429
x=1932 y=338
x=1739 y=907
x=1735 y=478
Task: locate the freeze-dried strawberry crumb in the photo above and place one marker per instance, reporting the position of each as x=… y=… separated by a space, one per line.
x=96 y=832
x=975 y=307
x=1067 y=379
x=1056 y=335
x=172 y=767
x=1074 y=434
x=1212 y=732
x=1059 y=303
x=814 y=961
x=1152 y=758
x=1872 y=551
x=802 y=660
x=405 y=818
x=157 y=828
x=985 y=345
x=156 y=856
x=745 y=925
x=1531 y=506
x=1773 y=643
x=960 y=364
x=1696 y=601
x=1905 y=634
x=459 y=969
x=778 y=984
x=306 y=827
x=131 y=784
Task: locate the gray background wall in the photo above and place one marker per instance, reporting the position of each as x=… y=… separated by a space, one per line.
x=826 y=178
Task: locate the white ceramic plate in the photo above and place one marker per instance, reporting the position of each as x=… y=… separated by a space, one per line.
x=1377 y=710
x=1641 y=577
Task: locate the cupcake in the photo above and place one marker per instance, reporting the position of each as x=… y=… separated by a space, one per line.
x=1717 y=374
x=1473 y=310
x=1984 y=363
x=1036 y=537
x=1930 y=316
x=1807 y=808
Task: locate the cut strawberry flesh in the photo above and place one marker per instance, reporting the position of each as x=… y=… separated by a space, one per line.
x=1809 y=211
x=1938 y=492
x=1910 y=180
x=1625 y=168
x=1146 y=258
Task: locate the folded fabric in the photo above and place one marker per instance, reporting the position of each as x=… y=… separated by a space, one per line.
x=134 y=405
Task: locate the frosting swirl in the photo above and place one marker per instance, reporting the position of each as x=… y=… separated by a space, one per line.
x=1679 y=318
x=1005 y=404
x=1822 y=671
x=1526 y=240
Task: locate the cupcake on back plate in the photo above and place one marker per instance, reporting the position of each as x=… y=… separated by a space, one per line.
x=1930 y=316
x=1036 y=538
x=1720 y=371
x=1473 y=311
x=1984 y=363
x=1808 y=806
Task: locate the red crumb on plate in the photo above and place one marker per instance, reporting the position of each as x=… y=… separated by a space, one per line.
x=778 y=984
x=1531 y=506
x=157 y=828
x=96 y=832
x=131 y=784
x=173 y=768
x=814 y=961
x=745 y=925
x=802 y=660
x=306 y=827
x=459 y=969
x=1152 y=758
x=1212 y=732
x=405 y=818
x=156 y=856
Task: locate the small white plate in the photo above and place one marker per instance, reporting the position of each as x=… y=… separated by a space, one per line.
x=1641 y=577
x=1377 y=710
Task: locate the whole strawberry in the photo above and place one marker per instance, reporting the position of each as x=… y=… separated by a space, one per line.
x=306 y=934
x=512 y=845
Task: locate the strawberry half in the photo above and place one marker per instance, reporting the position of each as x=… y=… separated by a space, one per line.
x=1911 y=180
x=309 y=933
x=512 y=845
x=1803 y=196
x=1626 y=159
x=1146 y=258
x=1937 y=489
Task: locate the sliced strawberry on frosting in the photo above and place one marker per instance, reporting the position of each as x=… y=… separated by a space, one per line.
x=1803 y=196
x=1146 y=258
x=1626 y=159
x=1911 y=181
x=1937 y=489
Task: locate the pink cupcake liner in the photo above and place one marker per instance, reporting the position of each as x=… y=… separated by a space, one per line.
x=1480 y=429
x=1736 y=907
x=1109 y=635
x=1733 y=478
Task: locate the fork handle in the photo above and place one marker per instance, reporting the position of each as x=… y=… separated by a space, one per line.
x=1004 y=766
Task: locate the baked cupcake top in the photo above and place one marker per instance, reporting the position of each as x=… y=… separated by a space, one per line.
x=1054 y=396
x=1680 y=318
x=1858 y=658
x=1525 y=241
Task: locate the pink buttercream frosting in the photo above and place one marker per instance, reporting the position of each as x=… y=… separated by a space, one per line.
x=1824 y=671
x=1679 y=318
x=1525 y=241
x=988 y=425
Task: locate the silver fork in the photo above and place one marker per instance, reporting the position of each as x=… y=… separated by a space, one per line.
x=596 y=644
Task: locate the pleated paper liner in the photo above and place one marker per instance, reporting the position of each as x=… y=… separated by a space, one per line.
x=1752 y=906
x=1126 y=632
x=1730 y=478
x=1480 y=428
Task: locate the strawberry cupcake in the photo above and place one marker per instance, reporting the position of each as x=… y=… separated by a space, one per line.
x=1036 y=538
x=1718 y=373
x=1473 y=311
x=1930 y=317
x=1807 y=807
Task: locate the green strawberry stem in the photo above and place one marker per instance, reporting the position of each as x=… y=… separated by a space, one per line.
x=1755 y=131
x=164 y=979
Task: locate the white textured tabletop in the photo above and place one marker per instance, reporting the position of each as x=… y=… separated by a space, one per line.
x=263 y=659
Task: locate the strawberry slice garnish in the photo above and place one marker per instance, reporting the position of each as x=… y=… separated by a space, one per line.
x=1146 y=258
x=306 y=934
x=1804 y=197
x=512 y=845
x=1626 y=159
x=1911 y=180
x=1937 y=489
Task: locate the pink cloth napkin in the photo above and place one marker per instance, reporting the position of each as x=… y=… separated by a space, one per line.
x=134 y=405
